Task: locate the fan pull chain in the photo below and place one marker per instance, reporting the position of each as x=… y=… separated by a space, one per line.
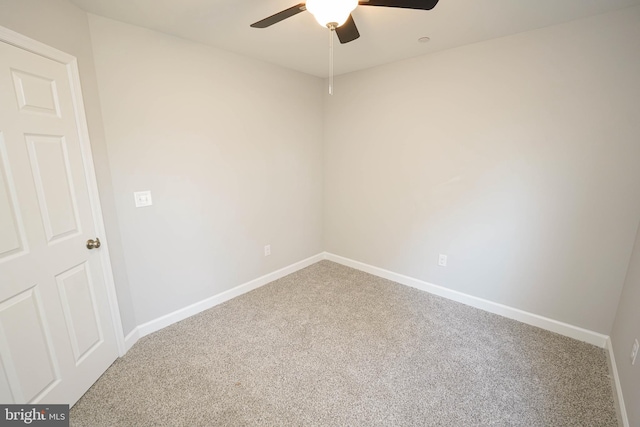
x=332 y=28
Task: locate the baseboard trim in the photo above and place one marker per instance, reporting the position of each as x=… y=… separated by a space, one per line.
x=190 y=310
x=562 y=328
x=131 y=338
x=621 y=410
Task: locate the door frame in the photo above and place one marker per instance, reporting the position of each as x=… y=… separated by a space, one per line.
x=23 y=42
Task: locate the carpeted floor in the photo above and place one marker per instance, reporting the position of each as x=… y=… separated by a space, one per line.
x=333 y=346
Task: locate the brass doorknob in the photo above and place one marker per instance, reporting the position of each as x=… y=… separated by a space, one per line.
x=93 y=244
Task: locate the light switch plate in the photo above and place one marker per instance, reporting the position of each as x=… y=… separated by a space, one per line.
x=142 y=198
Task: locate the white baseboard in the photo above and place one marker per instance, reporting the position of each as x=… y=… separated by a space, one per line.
x=621 y=410
x=181 y=314
x=566 y=329
x=131 y=338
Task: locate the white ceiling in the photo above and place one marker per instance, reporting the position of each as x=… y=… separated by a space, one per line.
x=386 y=34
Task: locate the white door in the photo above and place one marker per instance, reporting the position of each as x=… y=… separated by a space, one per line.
x=56 y=330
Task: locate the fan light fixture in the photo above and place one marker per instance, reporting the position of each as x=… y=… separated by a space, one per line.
x=336 y=16
x=331 y=13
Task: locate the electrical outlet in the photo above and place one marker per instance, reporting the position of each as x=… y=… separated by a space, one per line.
x=267 y=250
x=634 y=351
x=442 y=260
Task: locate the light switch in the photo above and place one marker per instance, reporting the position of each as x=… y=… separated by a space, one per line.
x=142 y=198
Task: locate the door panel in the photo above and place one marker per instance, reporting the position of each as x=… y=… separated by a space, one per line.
x=35 y=94
x=52 y=178
x=56 y=329
x=27 y=350
x=79 y=306
x=11 y=234
x=5 y=391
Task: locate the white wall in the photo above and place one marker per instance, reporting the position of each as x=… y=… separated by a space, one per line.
x=516 y=157
x=230 y=149
x=62 y=25
x=626 y=329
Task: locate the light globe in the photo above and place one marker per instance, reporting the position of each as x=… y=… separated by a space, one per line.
x=331 y=11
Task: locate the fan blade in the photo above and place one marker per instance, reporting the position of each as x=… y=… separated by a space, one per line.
x=348 y=31
x=274 y=19
x=406 y=4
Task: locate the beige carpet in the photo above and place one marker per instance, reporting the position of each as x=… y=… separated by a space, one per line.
x=332 y=346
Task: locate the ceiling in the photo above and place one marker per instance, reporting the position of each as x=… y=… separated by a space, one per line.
x=386 y=34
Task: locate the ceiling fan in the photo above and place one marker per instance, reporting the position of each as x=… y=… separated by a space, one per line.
x=336 y=16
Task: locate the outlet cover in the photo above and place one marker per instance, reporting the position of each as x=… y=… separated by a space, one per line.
x=267 y=250
x=442 y=260
x=634 y=351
